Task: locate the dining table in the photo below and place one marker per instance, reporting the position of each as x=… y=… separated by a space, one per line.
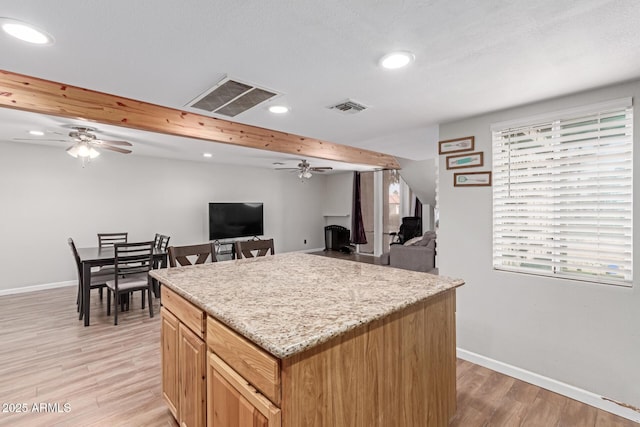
x=100 y=257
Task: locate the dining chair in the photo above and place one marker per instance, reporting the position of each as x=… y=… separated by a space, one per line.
x=98 y=280
x=161 y=242
x=109 y=239
x=179 y=255
x=253 y=248
x=133 y=261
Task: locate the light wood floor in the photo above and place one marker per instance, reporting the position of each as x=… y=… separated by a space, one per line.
x=110 y=375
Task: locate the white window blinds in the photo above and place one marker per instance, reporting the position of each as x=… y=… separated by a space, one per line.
x=562 y=196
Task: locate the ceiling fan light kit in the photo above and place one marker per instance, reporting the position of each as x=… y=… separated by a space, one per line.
x=82 y=150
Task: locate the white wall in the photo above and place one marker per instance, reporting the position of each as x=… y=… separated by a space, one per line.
x=586 y=335
x=420 y=175
x=338 y=199
x=46 y=197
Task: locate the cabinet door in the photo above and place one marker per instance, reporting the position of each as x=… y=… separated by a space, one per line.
x=169 y=353
x=192 y=367
x=232 y=402
x=230 y=409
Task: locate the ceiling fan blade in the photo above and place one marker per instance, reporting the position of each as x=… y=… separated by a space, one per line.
x=40 y=139
x=321 y=169
x=104 y=141
x=117 y=149
x=287 y=169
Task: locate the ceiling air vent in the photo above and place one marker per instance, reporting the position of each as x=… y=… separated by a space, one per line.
x=348 y=107
x=231 y=97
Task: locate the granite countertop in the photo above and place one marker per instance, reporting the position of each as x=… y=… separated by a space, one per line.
x=290 y=302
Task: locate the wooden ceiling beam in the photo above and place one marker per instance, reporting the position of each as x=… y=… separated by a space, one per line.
x=43 y=96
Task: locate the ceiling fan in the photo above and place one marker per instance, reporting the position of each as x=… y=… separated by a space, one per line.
x=304 y=169
x=86 y=144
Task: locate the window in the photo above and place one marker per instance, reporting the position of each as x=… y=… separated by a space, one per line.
x=563 y=194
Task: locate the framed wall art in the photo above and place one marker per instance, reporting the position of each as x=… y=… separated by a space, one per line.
x=456 y=145
x=472 y=179
x=470 y=160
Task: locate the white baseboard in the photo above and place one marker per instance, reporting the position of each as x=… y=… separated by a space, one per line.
x=311 y=250
x=34 y=288
x=550 y=384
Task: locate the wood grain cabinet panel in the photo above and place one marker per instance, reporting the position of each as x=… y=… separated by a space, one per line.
x=188 y=313
x=169 y=354
x=257 y=366
x=397 y=371
x=192 y=379
x=233 y=402
x=184 y=360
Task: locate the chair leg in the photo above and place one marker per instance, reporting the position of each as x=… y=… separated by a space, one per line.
x=80 y=311
x=109 y=302
x=150 y=302
x=142 y=294
x=116 y=298
x=101 y=293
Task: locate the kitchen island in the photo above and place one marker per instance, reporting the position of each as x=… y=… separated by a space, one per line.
x=303 y=340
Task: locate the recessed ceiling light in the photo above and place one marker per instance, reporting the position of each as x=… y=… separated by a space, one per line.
x=278 y=109
x=25 y=32
x=36 y=133
x=398 y=59
x=207 y=155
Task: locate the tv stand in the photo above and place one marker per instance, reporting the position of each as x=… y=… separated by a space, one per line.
x=225 y=249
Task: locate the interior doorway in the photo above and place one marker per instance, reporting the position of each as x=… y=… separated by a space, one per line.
x=385 y=193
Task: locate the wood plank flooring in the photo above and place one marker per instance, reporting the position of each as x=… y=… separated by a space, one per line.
x=110 y=375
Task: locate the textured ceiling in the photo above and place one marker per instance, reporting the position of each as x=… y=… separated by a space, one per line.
x=471 y=57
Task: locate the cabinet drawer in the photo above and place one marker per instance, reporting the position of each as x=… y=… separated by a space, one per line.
x=258 y=367
x=186 y=312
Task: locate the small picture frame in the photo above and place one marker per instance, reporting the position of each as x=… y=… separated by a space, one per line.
x=472 y=179
x=456 y=145
x=470 y=160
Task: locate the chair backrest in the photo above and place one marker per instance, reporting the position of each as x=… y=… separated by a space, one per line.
x=179 y=254
x=76 y=256
x=132 y=258
x=106 y=240
x=411 y=227
x=259 y=247
x=161 y=242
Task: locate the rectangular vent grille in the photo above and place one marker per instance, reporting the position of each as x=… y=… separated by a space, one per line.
x=230 y=98
x=348 y=107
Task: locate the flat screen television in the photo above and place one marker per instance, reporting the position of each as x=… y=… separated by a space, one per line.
x=231 y=220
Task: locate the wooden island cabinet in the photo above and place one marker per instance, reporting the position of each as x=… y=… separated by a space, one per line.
x=224 y=365
x=183 y=360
